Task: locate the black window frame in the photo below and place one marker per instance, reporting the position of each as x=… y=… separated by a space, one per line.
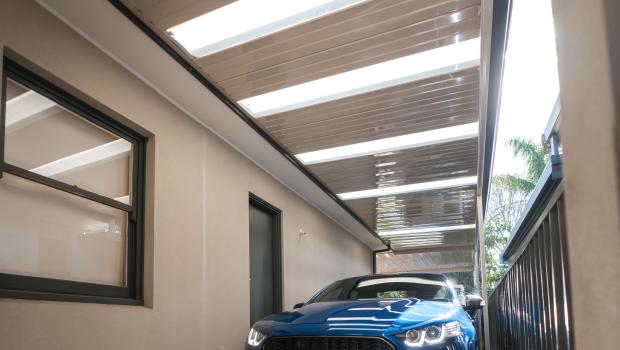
x=40 y=288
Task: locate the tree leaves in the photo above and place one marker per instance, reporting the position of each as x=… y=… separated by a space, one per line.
x=533 y=154
x=508 y=195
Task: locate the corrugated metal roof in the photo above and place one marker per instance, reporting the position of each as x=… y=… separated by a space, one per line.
x=165 y=14
x=433 y=241
x=447 y=207
x=372 y=32
x=440 y=262
x=430 y=163
x=438 y=102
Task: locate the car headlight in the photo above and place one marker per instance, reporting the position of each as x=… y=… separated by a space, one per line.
x=434 y=334
x=255 y=338
x=414 y=337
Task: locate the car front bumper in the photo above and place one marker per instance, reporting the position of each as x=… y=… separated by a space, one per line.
x=310 y=343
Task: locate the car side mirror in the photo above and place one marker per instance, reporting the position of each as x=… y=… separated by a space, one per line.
x=473 y=302
x=298 y=305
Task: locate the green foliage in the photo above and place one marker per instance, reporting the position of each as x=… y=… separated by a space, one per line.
x=508 y=195
x=533 y=154
x=513 y=183
x=464 y=278
x=495 y=240
x=394 y=294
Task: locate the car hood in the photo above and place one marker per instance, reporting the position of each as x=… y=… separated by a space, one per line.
x=363 y=316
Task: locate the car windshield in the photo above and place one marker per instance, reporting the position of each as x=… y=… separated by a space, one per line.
x=402 y=287
x=389 y=288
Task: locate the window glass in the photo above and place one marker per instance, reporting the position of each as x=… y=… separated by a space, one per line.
x=392 y=294
x=402 y=287
x=53 y=234
x=70 y=229
x=330 y=293
x=43 y=137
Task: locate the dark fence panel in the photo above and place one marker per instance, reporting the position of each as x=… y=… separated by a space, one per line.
x=529 y=309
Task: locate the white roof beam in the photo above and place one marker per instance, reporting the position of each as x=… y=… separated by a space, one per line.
x=123 y=199
x=24 y=107
x=435 y=248
x=466 y=267
x=237 y=23
x=412 y=188
x=391 y=144
x=423 y=65
x=416 y=231
x=85 y=158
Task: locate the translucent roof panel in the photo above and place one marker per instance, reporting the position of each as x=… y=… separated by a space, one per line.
x=246 y=20
x=419 y=66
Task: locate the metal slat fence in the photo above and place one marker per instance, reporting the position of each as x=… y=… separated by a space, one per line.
x=529 y=309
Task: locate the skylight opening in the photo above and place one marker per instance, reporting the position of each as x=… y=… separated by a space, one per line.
x=423 y=65
x=416 y=243
x=416 y=237
x=391 y=144
x=419 y=187
x=246 y=20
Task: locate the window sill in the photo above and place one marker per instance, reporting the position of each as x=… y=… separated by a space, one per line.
x=29 y=295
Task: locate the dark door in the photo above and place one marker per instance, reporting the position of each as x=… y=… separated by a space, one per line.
x=264 y=260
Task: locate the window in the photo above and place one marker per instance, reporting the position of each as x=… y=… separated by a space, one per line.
x=388 y=287
x=330 y=293
x=402 y=287
x=71 y=197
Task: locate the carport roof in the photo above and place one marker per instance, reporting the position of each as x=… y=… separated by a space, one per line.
x=356 y=35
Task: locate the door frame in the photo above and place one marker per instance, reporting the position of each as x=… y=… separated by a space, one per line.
x=276 y=214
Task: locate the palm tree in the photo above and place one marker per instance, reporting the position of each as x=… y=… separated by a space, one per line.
x=506 y=201
x=534 y=155
x=509 y=192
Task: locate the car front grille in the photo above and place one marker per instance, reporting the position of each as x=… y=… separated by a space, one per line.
x=327 y=343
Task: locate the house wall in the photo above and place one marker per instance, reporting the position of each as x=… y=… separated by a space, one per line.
x=588 y=56
x=197 y=257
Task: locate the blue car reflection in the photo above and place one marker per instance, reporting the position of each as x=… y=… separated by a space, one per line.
x=379 y=312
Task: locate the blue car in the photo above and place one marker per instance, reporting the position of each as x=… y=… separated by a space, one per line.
x=377 y=312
